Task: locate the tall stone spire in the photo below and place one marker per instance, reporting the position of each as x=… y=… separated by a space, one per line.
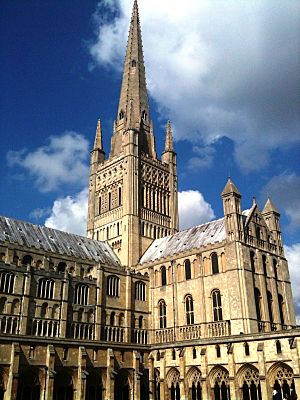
x=169 y=146
x=133 y=104
x=98 y=144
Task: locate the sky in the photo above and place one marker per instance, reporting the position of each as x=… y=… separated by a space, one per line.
x=226 y=73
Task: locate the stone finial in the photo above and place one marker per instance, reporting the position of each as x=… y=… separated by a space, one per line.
x=169 y=146
x=98 y=144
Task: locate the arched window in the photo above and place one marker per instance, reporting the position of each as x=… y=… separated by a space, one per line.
x=187 y=269
x=270 y=306
x=278 y=347
x=141 y=322
x=257 y=303
x=120 y=196
x=113 y=286
x=7 y=280
x=281 y=306
x=163 y=274
x=214 y=263
x=162 y=314
x=258 y=233
x=133 y=63
x=61 y=267
x=81 y=294
x=121 y=115
x=112 y=318
x=194 y=353
x=217 y=305
x=247 y=349
x=140 y=291
x=218 y=351
x=173 y=354
x=189 y=310
x=27 y=260
x=45 y=289
x=264 y=263
x=100 y=204
x=44 y=310
x=275 y=268
x=252 y=261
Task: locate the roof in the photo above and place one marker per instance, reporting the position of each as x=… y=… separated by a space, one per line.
x=269 y=207
x=55 y=241
x=193 y=238
x=230 y=188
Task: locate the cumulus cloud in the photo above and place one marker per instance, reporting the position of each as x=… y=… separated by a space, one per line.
x=235 y=64
x=284 y=190
x=193 y=209
x=70 y=213
x=62 y=161
x=293 y=256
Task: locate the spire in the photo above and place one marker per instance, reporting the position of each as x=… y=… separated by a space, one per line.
x=169 y=138
x=98 y=144
x=133 y=104
x=269 y=207
x=230 y=188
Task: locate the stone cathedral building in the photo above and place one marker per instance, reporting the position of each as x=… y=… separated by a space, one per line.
x=137 y=309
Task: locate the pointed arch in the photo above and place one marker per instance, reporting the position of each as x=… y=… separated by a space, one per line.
x=193 y=376
x=247 y=373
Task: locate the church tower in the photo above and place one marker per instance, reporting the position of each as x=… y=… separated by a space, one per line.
x=132 y=194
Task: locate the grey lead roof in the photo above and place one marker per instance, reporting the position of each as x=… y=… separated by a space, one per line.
x=193 y=238
x=55 y=241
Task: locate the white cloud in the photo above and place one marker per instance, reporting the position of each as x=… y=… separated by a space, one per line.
x=193 y=209
x=69 y=213
x=235 y=65
x=293 y=256
x=62 y=161
x=284 y=190
x=203 y=157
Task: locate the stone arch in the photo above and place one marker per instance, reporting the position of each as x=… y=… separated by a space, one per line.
x=29 y=386
x=94 y=385
x=249 y=383
x=123 y=385
x=219 y=383
x=173 y=378
x=63 y=385
x=193 y=380
x=281 y=377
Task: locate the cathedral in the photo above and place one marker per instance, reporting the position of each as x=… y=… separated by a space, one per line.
x=138 y=309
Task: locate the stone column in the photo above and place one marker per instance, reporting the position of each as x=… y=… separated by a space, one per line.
x=183 y=395
x=127 y=313
x=12 y=383
x=24 y=309
x=136 y=376
x=205 y=390
x=163 y=384
x=64 y=306
x=110 y=380
x=152 y=387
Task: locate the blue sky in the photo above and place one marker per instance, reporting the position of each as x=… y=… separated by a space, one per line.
x=226 y=73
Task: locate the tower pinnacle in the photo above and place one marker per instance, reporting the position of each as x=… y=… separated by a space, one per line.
x=133 y=104
x=98 y=144
x=169 y=146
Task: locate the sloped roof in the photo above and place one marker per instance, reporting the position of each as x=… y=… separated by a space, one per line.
x=230 y=188
x=193 y=238
x=55 y=241
x=269 y=207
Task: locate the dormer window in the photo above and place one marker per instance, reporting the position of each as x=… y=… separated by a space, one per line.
x=121 y=115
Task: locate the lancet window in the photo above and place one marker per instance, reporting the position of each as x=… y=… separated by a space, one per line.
x=187 y=269
x=189 y=310
x=217 y=305
x=214 y=263
x=162 y=314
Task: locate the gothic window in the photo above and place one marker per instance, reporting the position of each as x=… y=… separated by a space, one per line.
x=189 y=310
x=214 y=263
x=275 y=268
x=133 y=63
x=120 y=196
x=81 y=294
x=140 y=291
x=247 y=349
x=270 y=306
x=251 y=386
x=264 y=263
x=257 y=297
x=45 y=289
x=217 y=305
x=218 y=351
x=113 y=286
x=163 y=273
x=278 y=347
x=221 y=386
x=252 y=261
x=121 y=115
x=281 y=305
x=61 y=267
x=109 y=201
x=162 y=314
x=187 y=269
x=258 y=233
x=27 y=260
x=7 y=280
x=100 y=204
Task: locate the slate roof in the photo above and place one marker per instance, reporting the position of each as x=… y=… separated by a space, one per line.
x=55 y=241
x=193 y=238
